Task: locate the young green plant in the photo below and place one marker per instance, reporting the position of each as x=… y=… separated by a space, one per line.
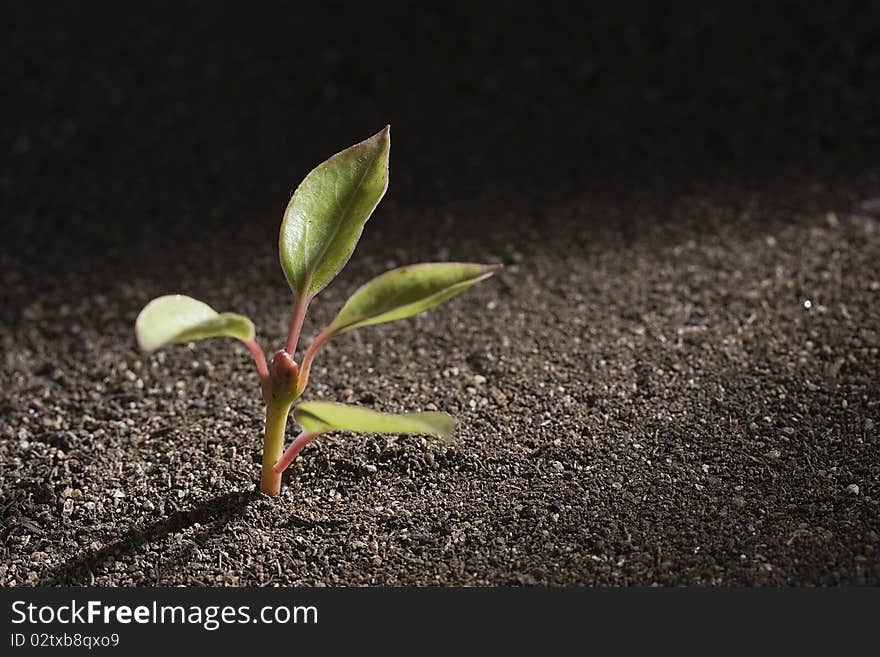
x=321 y=227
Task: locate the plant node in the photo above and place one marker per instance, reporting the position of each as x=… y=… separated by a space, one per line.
x=283 y=377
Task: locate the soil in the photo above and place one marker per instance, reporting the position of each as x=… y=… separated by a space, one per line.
x=674 y=380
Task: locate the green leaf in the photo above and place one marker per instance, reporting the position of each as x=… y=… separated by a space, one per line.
x=178 y=318
x=318 y=417
x=326 y=215
x=407 y=291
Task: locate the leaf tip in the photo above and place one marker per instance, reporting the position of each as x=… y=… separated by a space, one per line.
x=144 y=341
x=447 y=432
x=490 y=270
x=494 y=269
x=142 y=345
x=145 y=345
x=384 y=137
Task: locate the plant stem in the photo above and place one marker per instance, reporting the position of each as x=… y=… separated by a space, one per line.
x=273 y=445
x=259 y=359
x=293 y=451
x=308 y=357
x=300 y=307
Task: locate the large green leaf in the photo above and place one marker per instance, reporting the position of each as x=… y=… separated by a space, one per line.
x=318 y=417
x=178 y=318
x=407 y=291
x=326 y=215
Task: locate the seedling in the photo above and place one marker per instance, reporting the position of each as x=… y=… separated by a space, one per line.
x=321 y=227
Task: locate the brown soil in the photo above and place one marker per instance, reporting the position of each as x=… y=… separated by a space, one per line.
x=673 y=385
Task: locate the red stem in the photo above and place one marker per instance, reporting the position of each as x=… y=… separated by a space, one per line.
x=293 y=451
x=309 y=356
x=259 y=359
x=296 y=321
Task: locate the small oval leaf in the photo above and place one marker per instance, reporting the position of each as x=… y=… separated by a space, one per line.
x=179 y=318
x=407 y=291
x=327 y=212
x=318 y=417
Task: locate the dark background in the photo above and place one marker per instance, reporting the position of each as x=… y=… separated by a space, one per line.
x=673 y=381
x=120 y=123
